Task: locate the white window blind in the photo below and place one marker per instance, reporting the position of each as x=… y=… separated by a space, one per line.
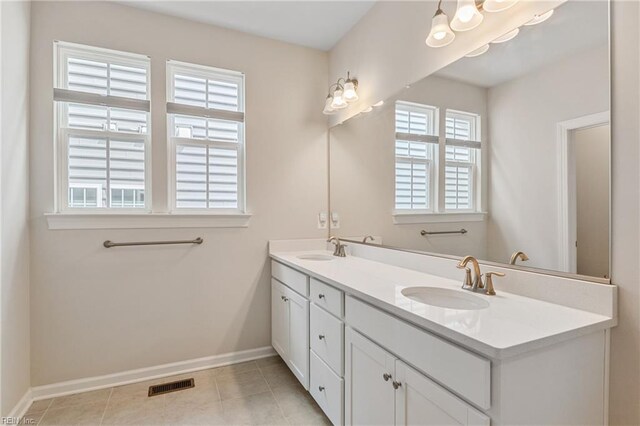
x=416 y=135
x=206 y=122
x=102 y=107
x=462 y=144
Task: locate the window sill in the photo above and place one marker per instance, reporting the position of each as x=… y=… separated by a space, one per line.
x=406 y=218
x=145 y=220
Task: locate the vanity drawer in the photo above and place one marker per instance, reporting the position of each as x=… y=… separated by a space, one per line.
x=326 y=334
x=464 y=372
x=328 y=297
x=327 y=389
x=290 y=277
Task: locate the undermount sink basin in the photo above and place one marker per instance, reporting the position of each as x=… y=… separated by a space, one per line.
x=320 y=257
x=445 y=298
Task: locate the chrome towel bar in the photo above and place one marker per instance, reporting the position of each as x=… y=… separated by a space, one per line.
x=109 y=244
x=425 y=233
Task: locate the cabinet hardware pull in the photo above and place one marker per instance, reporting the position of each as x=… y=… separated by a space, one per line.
x=396 y=385
x=321 y=296
x=321 y=388
x=284 y=298
x=320 y=336
x=386 y=377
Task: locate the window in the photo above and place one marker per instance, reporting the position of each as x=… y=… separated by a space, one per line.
x=462 y=151
x=206 y=129
x=416 y=137
x=102 y=127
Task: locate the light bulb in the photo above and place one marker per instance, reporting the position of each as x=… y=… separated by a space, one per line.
x=506 y=37
x=497 y=5
x=328 y=109
x=479 y=51
x=538 y=19
x=350 y=94
x=338 y=101
x=440 y=34
x=467 y=16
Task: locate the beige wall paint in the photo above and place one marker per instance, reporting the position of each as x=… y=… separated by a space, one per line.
x=624 y=408
x=363 y=171
x=371 y=53
x=523 y=160
x=591 y=150
x=14 y=203
x=97 y=311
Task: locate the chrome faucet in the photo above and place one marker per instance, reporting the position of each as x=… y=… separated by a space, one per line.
x=368 y=238
x=518 y=254
x=474 y=283
x=339 y=250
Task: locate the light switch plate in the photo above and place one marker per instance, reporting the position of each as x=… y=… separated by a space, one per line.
x=322 y=220
x=335 y=220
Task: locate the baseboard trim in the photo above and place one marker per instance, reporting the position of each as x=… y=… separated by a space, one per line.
x=143 y=374
x=22 y=406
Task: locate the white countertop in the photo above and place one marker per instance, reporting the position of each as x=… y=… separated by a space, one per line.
x=511 y=325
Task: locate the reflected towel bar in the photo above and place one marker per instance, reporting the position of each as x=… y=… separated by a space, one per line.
x=425 y=233
x=109 y=244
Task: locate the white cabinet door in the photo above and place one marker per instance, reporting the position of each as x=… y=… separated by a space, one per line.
x=369 y=393
x=298 y=325
x=420 y=401
x=279 y=319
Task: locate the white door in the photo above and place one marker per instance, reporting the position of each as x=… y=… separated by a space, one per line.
x=298 y=323
x=420 y=401
x=279 y=319
x=369 y=393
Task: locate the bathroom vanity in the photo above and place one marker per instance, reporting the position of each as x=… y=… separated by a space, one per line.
x=376 y=339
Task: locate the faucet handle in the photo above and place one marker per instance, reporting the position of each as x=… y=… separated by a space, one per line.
x=489 y=282
x=467 y=276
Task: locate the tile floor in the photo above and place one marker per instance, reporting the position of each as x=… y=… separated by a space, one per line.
x=262 y=392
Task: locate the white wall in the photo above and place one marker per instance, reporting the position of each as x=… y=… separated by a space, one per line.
x=363 y=171
x=14 y=203
x=96 y=311
x=383 y=70
x=523 y=159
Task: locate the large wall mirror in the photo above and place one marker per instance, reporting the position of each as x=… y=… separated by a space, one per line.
x=503 y=154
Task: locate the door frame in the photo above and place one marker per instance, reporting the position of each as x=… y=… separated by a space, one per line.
x=567 y=221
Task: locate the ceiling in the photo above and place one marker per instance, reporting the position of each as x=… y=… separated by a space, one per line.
x=575 y=26
x=316 y=24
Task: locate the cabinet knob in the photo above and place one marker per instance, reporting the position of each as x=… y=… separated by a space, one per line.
x=396 y=385
x=284 y=298
x=321 y=296
x=320 y=336
x=321 y=388
x=386 y=377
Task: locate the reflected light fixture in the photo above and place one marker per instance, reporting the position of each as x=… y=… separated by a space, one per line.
x=479 y=51
x=344 y=93
x=467 y=16
x=379 y=103
x=440 y=34
x=367 y=109
x=497 y=5
x=506 y=37
x=538 y=19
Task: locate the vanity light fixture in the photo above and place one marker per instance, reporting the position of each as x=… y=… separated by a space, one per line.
x=440 y=34
x=497 y=5
x=479 y=51
x=506 y=37
x=344 y=93
x=538 y=19
x=467 y=16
